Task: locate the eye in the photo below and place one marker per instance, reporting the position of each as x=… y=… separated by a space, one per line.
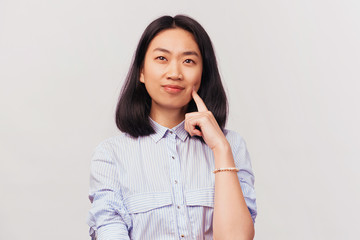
x=189 y=61
x=161 y=58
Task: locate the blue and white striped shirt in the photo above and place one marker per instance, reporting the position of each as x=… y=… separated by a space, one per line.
x=159 y=186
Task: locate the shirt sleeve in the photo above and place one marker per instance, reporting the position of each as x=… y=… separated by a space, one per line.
x=245 y=175
x=108 y=219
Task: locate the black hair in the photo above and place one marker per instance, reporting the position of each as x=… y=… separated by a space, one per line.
x=133 y=108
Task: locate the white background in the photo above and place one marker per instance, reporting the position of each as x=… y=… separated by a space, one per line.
x=291 y=70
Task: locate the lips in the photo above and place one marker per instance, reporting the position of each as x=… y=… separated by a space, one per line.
x=173 y=88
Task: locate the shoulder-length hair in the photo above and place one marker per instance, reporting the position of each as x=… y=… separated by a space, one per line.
x=133 y=108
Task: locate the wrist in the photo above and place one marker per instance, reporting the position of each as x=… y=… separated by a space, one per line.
x=223 y=156
x=222 y=148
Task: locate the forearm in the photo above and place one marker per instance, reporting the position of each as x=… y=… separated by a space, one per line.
x=232 y=219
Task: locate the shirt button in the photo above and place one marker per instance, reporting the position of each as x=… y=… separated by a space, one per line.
x=171 y=132
x=178 y=207
x=182 y=235
x=176 y=181
x=172 y=157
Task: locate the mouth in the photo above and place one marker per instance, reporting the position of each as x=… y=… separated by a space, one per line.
x=173 y=88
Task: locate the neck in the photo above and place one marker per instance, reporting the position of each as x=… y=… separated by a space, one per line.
x=167 y=117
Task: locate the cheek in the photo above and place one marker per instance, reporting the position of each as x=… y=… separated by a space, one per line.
x=194 y=77
x=196 y=80
x=152 y=71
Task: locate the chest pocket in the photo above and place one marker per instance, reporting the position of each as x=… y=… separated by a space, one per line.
x=201 y=203
x=200 y=197
x=144 y=202
x=147 y=211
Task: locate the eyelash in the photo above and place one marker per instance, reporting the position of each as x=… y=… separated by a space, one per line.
x=189 y=60
x=162 y=58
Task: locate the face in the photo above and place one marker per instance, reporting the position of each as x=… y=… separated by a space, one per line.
x=172 y=67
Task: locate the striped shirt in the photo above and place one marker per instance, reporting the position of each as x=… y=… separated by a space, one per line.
x=159 y=186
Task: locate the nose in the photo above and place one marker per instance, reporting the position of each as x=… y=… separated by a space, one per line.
x=174 y=72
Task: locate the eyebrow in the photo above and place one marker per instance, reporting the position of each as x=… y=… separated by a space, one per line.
x=187 y=53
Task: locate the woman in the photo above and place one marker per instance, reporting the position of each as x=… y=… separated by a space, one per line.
x=174 y=172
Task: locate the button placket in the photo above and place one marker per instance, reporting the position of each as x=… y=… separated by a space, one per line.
x=175 y=174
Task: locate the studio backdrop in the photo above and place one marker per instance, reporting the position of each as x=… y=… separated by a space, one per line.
x=291 y=72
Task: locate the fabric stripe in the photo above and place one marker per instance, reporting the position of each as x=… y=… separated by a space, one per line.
x=160 y=186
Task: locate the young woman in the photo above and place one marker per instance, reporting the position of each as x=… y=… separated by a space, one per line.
x=174 y=172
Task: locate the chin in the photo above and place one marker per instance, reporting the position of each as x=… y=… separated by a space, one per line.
x=174 y=106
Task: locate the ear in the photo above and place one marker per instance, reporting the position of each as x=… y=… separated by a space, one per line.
x=142 y=78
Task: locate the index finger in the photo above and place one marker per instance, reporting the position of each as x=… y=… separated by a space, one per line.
x=199 y=102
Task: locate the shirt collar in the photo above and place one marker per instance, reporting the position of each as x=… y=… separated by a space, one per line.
x=180 y=131
x=161 y=131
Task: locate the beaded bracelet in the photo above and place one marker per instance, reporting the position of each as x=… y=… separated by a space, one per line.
x=231 y=169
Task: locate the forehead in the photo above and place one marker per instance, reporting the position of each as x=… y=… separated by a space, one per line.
x=175 y=39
